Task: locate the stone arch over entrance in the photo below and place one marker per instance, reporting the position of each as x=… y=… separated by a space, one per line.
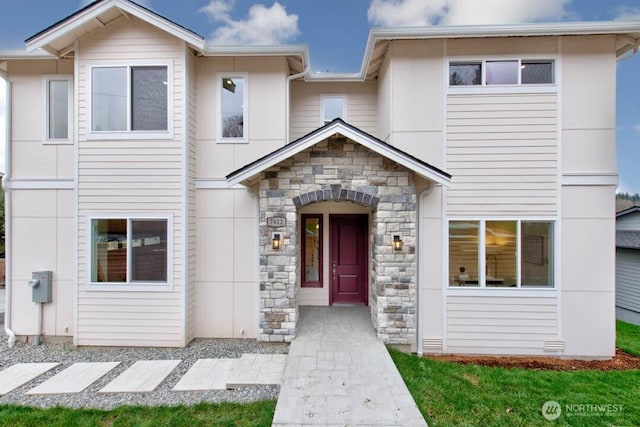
x=338 y=169
x=335 y=192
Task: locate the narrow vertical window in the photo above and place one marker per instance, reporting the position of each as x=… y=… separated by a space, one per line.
x=58 y=109
x=333 y=107
x=464 y=238
x=312 y=251
x=232 y=107
x=537 y=254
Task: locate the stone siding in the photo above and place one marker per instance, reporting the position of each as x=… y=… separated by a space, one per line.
x=340 y=170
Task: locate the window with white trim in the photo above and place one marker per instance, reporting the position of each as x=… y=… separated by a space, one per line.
x=501 y=72
x=501 y=253
x=130 y=250
x=333 y=106
x=232 y=107
x=59 y=107
x=129 y=98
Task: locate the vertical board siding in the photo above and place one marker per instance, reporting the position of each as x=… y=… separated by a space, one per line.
x=628 y=279
x=131 y=176
x=500 y=325
x=502 y=153
x=362 y=111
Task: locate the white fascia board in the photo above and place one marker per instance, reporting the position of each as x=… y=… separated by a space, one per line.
x=23 y=54
x=74 y=22
x=259 y=50
x=337 y=128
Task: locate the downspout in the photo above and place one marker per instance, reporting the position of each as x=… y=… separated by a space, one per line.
x=6 y=183
x=419 y=332
x=288 y=101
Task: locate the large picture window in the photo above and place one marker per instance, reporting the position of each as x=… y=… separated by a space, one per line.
x=232 y=107
x=501 y=253
x=129 y=250
x=129 y=98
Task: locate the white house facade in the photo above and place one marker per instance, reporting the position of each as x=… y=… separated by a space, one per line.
x=628 y=265
x=461 y=185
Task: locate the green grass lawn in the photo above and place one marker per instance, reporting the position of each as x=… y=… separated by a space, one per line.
x=448 y=394
x=204 y=414
x=451 y=394
x=628 y=337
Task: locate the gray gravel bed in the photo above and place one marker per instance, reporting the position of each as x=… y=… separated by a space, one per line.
x=67 y=354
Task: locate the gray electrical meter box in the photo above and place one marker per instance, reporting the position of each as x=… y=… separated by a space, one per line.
x=41 y=283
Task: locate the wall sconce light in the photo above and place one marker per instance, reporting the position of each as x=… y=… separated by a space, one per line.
x=397 y=243
x=276 y=241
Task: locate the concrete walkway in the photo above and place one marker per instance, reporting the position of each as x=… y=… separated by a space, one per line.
x=339 y=373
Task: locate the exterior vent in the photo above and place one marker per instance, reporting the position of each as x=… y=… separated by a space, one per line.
x=555 y=345
x=432 y=345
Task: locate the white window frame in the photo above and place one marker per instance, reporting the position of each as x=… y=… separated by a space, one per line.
x=482 y=274
x=130 y=134
x=324 y=97
x=130 y=286
x=45 y=84
x=245 y=102
x=519 y=87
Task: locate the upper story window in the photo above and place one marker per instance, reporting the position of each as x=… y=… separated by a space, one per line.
x=59 y=104
x=132 y=99
x=132 y=251
x=333 y=106
x=232 y=106
x=501 y=72
x=501 y=253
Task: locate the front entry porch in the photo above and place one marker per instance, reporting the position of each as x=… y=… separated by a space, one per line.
x=339 y=165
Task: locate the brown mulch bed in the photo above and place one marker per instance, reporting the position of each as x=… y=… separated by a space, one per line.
x=622 y=361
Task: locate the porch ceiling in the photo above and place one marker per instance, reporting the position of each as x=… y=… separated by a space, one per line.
x=248 y=172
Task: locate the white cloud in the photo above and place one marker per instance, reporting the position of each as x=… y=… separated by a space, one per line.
x=463 y=12
x=626 y=13
x=263 y=25
x=636 y=129
x=218 y=10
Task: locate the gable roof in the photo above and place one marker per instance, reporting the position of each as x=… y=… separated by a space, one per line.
x=628 y=239
x=58 y=39
x=628 y=211
x=338 y=126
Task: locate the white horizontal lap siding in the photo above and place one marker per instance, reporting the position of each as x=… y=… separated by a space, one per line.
x=123 y=176
x=500 y=325
x=306 y=103
x=502 y=152
x=628 y=279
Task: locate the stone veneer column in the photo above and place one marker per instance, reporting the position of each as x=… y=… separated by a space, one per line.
x=339 y=170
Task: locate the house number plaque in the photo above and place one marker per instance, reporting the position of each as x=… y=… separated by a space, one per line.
x=276 y=221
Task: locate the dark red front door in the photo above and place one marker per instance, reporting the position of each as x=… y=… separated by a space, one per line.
x=348 y=257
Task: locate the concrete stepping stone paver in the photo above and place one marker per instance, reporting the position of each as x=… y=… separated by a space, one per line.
x=74 y=379
x=20 y=374
x=142 y=377
x=206 y=374
x=257 y=369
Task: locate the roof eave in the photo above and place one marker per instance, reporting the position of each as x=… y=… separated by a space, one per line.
x=6 y=55
x=249 y=171
x=43 y=39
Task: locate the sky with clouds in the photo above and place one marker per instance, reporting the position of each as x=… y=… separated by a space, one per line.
x=336 y=33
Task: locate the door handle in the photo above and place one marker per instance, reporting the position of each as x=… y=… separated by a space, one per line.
x=334 y=269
